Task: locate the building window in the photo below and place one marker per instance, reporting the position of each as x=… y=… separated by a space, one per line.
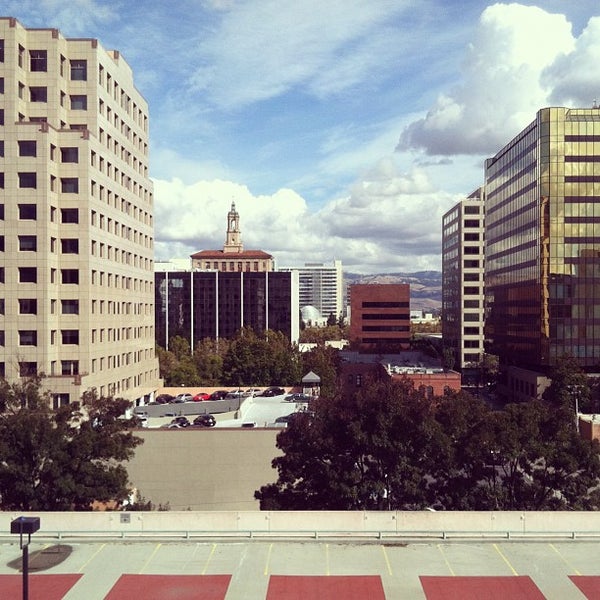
x=69 y=276
x=70 y=307
x=1 y=85
x=1 y=147
x=1 y=50
x=27 y=180
x=38 y=94
x=27 y=369
x=2 y=341
x=27 y=337
x=1 y=274
x=69 y=367
x=59 y=400
x=1 y=243
x=38 y=60
x=69 y=155
x=1 y=116
x=78 y=102
x=69 y=215
x=28 y=212
x=27 y=275
x=69 y=185
x=2 y=180
x=69 y=245
x=27 y=306
x=70 y=336
x=78 y=70
x=27 y=148
x=28 y=243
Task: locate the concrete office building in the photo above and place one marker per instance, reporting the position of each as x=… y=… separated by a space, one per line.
x=380 y=317
x=76 y=230
x=321 y=287
x=462 y=282
x=542 y=245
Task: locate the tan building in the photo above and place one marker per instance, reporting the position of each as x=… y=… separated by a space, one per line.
x=76 y=210
x=233 y=257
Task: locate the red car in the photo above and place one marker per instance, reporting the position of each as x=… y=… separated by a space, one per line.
x=201 y=396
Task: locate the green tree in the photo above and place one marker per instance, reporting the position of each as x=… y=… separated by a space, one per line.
x=569 y=387
x=324 y=361
x=208 y=358
x=62 y=459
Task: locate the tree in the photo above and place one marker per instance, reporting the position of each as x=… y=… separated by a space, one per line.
x=324 y=362
x=208 y=358
x=63 y=459
x=569 y=387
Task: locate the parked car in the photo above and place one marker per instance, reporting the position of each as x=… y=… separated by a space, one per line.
x=218 y=395
x=164 y=398
x=180 y=422
x=205 y=420
x=285 y=418
x=251 y=392
x=182 y=398
x=297 y=398
x=273 y=391
x=201 y=396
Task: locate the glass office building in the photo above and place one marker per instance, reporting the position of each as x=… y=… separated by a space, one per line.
x=542 y=242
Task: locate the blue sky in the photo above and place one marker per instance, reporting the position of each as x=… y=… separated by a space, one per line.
x=342 y=129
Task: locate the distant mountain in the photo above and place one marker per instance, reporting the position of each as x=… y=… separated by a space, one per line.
x=425 y=286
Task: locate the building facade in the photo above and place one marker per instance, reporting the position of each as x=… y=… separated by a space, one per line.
x=233 y=258
x=212 y=304
x=542 y=246
x=462 y=282
x=380 y=317
x=76 y=229
x=321 y=287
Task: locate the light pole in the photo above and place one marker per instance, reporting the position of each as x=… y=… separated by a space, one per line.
x=26 y=525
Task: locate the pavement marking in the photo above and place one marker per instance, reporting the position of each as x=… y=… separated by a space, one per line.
x=327 y=571
x=564 y=559
x=150 y=558
x=268 y=563
x=212 y=551
x=387 y=561
x=91 y=558
x=441 y=549
x=505 y=559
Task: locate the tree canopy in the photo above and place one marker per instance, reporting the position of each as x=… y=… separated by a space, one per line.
x=389 y=447
x=62 y=459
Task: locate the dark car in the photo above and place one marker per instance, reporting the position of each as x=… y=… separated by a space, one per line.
x=205 y=421
x=180 y=421
x=164 y=398
x=219 y=395
x=273 y=391
x=297 y=398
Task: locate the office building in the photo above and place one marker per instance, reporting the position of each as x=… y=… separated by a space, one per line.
x=462 y=283
x=321 y=291
x=76 y=230
x=233 y=258
x=380 y=317
x=542 y=244
x=212 y=304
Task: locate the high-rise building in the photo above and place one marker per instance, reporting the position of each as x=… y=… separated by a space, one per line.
x=76 y=210
x=462 y=282
x=233 y=257
x=321 y=288
x=542 y=242
x=380 y=317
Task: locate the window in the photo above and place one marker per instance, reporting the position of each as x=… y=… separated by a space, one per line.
x=59 y=400
x=1 y=50
x=78 y=70
x=28 y=212
x=38 y=94
x=27 y=337
x=69 y=155
x=27 y=275
x=1 y=116
x=69 y=367
x=1 y=274
x=38 y=60
x=69 y=276
x=69 y=245
x=69 y=185
x=1 y=306
x=70 y=307
x=27 y=369
x=69 y=215
x=1 y=337
x=1 y=85
x=78 y=102
x=2 y=180
x=1 y=243
x=28 y=243
x=27 y=147
x=70 y=336
x=27 y=180
x=1 y=147
x=27 y=306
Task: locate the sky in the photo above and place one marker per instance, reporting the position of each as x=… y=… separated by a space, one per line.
x=342 y=129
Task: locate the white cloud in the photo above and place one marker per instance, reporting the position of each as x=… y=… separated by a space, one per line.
x=503 y=86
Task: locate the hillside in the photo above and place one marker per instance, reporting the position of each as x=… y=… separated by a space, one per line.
x=425 y=286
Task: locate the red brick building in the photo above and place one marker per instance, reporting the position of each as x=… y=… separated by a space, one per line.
x=380 y=317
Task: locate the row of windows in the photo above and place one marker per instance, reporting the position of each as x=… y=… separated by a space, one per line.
x=28 y=243
x=29 y=337
x=68 y=154
x=112 y=87
x=385 y=304
x=28 y=180
x=114 y=200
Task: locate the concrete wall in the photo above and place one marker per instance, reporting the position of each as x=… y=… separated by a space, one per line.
x=203 y=469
